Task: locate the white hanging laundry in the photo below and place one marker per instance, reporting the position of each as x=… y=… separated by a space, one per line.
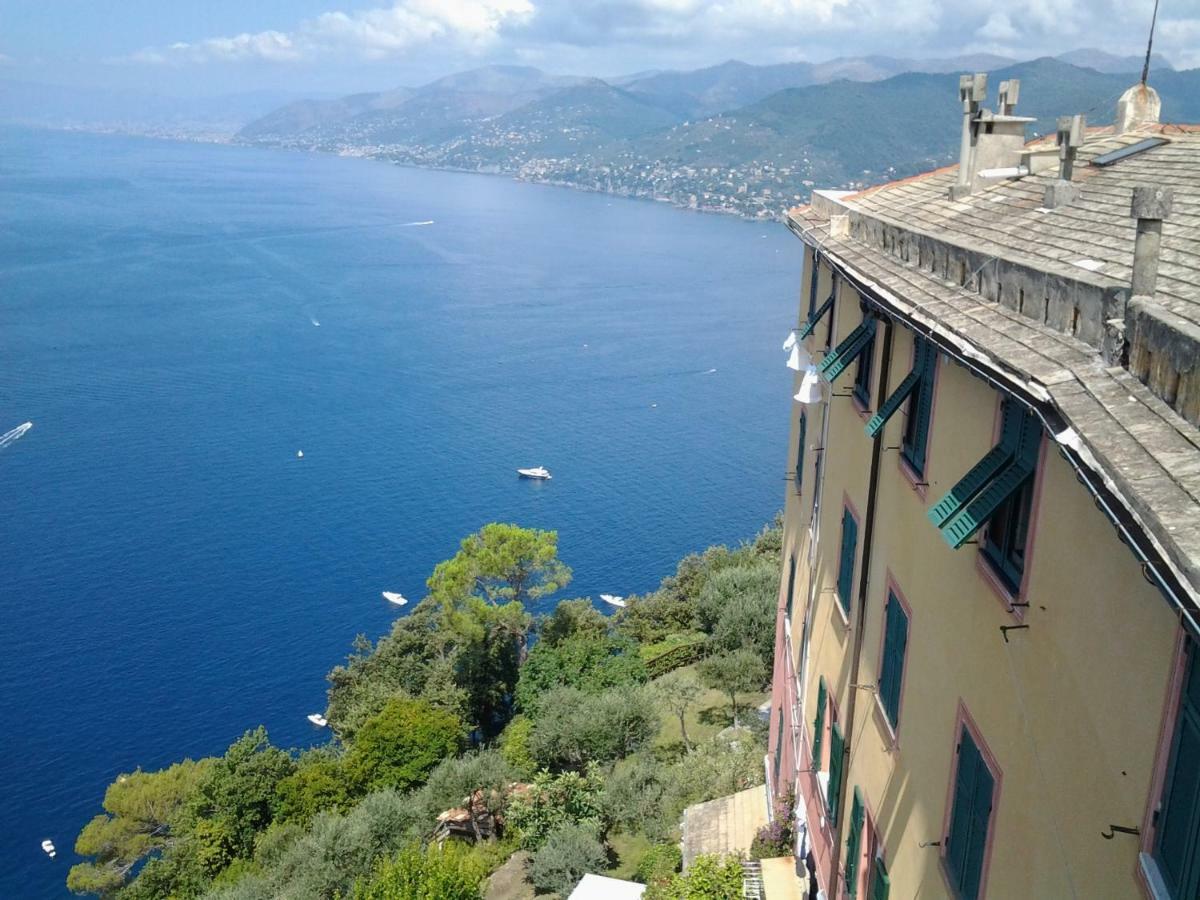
x=811 y=387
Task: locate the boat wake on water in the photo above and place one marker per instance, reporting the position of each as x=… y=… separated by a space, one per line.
x=9 y=436
x=416 y=224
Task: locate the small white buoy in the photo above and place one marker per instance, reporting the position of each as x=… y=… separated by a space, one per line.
x=299 y=454
x=48 y=846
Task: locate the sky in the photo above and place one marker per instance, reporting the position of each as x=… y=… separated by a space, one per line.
x=211 y=47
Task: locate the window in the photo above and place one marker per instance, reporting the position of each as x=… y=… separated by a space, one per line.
x=837 y=746
x=1007 y=533
x=862 y=375
x=845 y=579
x=891 y=669
x=812 y=288
x=920 y=406
x=970 y=818
x=997 y=485
x=819 y=726
x=1176 y=847
x=791 y=584
x=778 y=747
x=803 y=436
x=858 y=815
x=850 y=349
x=881 y=884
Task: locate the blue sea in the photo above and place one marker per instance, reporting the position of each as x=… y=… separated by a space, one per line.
x=179 y=321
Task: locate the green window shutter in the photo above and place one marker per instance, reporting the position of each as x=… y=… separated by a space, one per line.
x=959 y=529
x=812 y=287
x=892 y=670
x=819 y=726
x=803 y=429
x=969 y=819
x=1177 y=840
x=815 y=318
x=846 y=562
x=893 y=403
x=881 y=884
x=838 y=360
x=854 y=843
x=837 y=745
x=778 y=746
x=921 y=411
x=984 y=470
x=791 y=584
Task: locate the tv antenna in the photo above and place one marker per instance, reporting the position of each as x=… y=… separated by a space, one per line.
x=1149 y=44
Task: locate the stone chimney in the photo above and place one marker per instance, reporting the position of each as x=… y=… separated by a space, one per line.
x=1151 y=204
x=1138 y=108
x=1060 y=192
x=990 y=141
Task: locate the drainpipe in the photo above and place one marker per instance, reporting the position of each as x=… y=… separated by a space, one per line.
x=864 y=574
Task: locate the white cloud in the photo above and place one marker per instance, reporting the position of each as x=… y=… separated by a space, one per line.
x=599 y=34
x=368 y=34
x=998 y=27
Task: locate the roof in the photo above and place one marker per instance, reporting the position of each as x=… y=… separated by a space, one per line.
x=600 y=887
x=1144 y=452
x=1007 y=219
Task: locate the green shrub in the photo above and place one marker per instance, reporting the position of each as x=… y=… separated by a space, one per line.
x=448 y=872
x=659 y=865
x=572 y=619
x=320 y=782
x=708 y=878
x=569 y=853
x=514 y=746
x=633 y=797
x=591 y=664
x=400 y=747
x=555 y=800
x=574 y=728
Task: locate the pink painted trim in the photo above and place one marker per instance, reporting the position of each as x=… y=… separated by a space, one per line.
x=847 y=506
x=983 y=565
x=819 y=830
x=892 y=588
x=867 y=849
x=863 y=413
x=965 y=721
x=1166 y=736
x=915 y=481
x=788 y=581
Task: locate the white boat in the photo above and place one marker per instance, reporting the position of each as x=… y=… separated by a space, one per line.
x=317 y=719
x=541 y=472
x=48 y=846
x=613 y=599
x=393 y=597
x=299 y=454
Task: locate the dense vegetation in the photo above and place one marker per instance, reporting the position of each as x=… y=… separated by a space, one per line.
x=554 y=736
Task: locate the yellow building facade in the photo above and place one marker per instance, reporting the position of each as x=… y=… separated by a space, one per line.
x=987 y=611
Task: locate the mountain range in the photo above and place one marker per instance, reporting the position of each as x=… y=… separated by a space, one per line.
x=740 y=138
x=751 y=140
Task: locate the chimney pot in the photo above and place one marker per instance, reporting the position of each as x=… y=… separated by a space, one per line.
x=1010 y=92
x=1138 y=108
x=1151 y=201
x=1151 y=204
x=972 y=91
